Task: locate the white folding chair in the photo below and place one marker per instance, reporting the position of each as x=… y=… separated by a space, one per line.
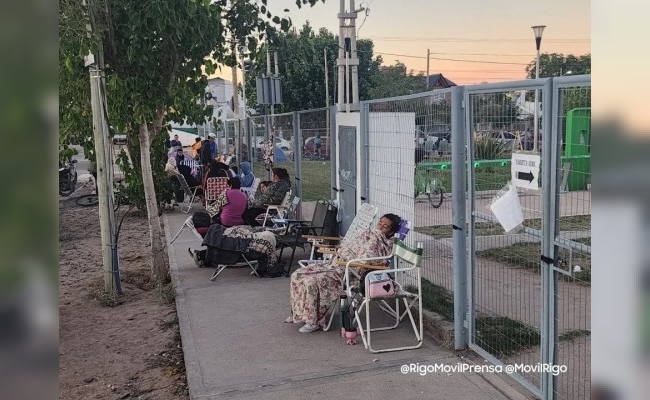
x=278 y=208
x=402 y=231
x=405 y=269
x=189 y=194
x=289 y=214
x=187 y=224
x=250 y=191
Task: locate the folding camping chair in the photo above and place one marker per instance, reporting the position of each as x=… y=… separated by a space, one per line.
x=291 y=213
x=323 y=223
x=278 y=208
x=361 y=222
x=187 y=224
x=404 y=270
x=189 y=193
x=214 y=187
x=250 y=191
x=402 y=231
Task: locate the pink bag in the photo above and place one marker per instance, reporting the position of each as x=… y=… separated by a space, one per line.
x=383 y=288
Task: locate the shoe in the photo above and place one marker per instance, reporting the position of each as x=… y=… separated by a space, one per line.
x=308 y=328
x=195 y=256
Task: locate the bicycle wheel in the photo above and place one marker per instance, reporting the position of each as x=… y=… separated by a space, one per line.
x=435 y=197
x=88 y=200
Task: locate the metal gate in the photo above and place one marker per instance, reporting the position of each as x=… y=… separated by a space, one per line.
x=528 y=289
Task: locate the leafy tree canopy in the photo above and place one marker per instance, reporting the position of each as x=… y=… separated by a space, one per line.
x=554 y=64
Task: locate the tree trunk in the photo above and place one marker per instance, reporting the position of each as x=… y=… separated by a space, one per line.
x=159 y=268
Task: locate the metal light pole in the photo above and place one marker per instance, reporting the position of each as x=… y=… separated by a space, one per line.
x=537 y=30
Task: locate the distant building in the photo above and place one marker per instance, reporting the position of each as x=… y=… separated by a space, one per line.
x=437 y=81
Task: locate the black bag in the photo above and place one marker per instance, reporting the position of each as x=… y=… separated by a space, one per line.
x=274 y=271
x=201 y=219
x=331 y=225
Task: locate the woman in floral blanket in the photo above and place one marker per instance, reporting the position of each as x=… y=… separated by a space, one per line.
x=316 y=287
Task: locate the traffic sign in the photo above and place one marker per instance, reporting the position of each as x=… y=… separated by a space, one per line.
x=525 y=170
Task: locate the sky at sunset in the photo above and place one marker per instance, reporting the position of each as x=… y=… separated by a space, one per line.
x=470 y=41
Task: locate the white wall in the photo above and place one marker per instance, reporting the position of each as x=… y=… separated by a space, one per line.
x=391 y=162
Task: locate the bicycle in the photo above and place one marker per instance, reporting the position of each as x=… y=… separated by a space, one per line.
x=432 y=187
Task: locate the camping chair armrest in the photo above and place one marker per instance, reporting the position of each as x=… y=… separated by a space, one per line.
x=316 y=237
x=358 y=264
x=326 y=251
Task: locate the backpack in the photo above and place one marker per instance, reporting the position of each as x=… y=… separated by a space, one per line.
x=201 y=219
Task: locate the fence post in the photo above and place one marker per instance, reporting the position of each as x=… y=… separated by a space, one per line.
x=550 y=210
x=297 y=158
x=459 y=205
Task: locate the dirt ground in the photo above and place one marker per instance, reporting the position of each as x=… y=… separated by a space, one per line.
x=130 y=349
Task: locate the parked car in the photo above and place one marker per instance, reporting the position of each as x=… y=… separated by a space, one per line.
x=308 y=149
x=282 y=143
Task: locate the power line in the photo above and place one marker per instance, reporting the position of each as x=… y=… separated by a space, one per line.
x=453 y=59
x=456 y=40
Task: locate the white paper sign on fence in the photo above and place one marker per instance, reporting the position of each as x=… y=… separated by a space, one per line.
x=525 y=170
x=507 y=210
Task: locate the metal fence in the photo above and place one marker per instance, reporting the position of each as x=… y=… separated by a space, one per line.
x=440 y=159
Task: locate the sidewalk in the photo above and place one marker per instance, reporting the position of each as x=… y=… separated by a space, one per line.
x=237 y=346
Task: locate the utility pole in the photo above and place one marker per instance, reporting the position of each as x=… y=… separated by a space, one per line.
x=428 y=55
x=348 y=95
x=104 y=164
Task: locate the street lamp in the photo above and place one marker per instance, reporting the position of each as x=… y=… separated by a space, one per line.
x=537 y=30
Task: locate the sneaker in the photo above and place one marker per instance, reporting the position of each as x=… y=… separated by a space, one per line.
x=308 y=328
x=195 y=256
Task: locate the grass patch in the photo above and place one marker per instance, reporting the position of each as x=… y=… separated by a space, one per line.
x=574 y=334
x=502 y=336
x=106 y=299
x=485 y=228
x=528 y=255
x=437 y=299
x=166 y=292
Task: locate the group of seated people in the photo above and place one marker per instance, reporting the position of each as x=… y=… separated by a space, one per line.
x=313 y=288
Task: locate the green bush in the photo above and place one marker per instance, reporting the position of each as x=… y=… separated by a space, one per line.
x=487 y=148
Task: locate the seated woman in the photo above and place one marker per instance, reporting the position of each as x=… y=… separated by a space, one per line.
x=316 y=287
x=172 y=171
x=247 y=176
x=227 y=210
x=274 y=194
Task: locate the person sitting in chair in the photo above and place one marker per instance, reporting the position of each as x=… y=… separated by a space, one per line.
x=247 y=176
x=227 y=210
x=316 y=287
x=274 y=194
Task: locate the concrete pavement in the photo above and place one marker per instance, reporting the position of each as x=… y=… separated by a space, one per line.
x=237 y=346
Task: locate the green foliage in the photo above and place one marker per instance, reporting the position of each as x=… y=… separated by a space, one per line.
x=166 y=292
x=494 y=109
x=106 y=299
x=554 y=64
x=130 y=165
x=487 y=148
x=503 y=336
x=395 y=81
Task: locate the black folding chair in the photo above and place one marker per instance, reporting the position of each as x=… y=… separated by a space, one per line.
x=323 y=223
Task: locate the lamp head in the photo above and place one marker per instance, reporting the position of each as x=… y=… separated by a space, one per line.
x=538 y=30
